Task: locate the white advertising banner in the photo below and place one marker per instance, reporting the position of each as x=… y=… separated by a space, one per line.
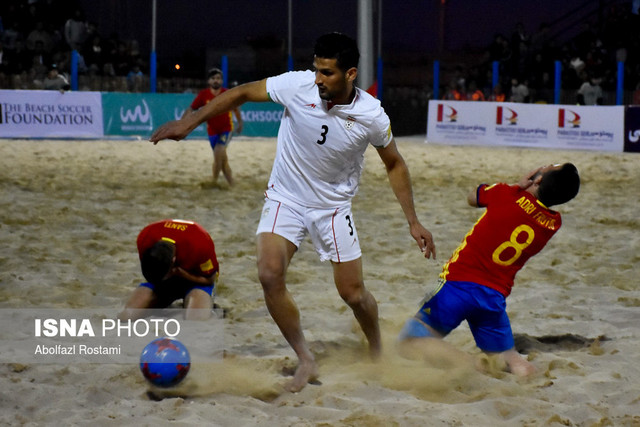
x=598 y=128
x=50 y=114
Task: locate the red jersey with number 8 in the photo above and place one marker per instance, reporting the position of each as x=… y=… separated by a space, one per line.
x=514 y=227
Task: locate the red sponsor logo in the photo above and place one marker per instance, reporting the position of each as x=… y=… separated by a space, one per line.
x=568 y=117
x=447 y=112
x=506 y=115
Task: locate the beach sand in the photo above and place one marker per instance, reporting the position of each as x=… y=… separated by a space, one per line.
x=71 y=211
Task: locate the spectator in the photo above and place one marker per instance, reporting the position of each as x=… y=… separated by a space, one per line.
x=40 y=58
x=519 y=36
x=55 y=81
x=541 y=38
x=590 y=93
x=75 y=30
x=135 y=79
x=499 y=49
x=122 y=59
x=94 y=54
x=30 y=16
x=39 y=35
x=498 y=94
x=453 y=92
x=519 y=90
x=10 y=36
x=474 y=94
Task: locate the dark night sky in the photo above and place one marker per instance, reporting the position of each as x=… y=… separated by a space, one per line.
x=409 y=26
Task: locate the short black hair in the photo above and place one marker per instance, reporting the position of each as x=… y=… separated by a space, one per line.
x=559 y=186
x=157 y=261
x=340 y=47
x=214 y=71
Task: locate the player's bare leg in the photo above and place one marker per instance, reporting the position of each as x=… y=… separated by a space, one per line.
x=274 y=255
x=221 y=164
x=350 y=285
x=215 y=171
x=226 y=170
x=198 y=305
x=140 y=300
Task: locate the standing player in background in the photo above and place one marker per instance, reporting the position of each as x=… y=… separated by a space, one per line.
x=178 y=260
x=475 y=283
x=219 y=127
x=327 y=125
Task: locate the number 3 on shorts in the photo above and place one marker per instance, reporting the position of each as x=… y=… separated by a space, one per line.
x=513 y=243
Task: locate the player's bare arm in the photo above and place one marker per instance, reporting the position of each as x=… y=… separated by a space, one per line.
x=529 y=179
x=240 y=123
x=201 y=280
x=226 y=101
x=188 y=111
x=400 y=181
x=472 y=198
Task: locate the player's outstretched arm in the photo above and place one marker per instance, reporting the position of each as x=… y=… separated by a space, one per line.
x=226 y=101
x=401 y=185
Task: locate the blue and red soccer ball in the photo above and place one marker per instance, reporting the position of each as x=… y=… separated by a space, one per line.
x=165 y=362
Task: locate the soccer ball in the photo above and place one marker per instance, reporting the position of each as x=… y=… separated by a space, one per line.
x=165 y=362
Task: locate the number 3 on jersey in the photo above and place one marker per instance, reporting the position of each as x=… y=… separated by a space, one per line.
x=325 y=129
x=513 y=243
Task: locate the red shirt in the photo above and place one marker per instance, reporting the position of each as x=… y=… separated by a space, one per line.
x=514 y=227
x=216 y=124
x=195 y=251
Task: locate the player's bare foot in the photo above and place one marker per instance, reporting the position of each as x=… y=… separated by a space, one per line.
x=306 y=372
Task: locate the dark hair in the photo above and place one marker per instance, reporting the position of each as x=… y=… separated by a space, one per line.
x=340 y=47
x=559 y=186
x=214 y=71
x=157 y=261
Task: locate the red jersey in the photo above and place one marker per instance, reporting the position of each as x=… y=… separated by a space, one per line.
x=514 y=227
x=216 y=124
x=195 y=251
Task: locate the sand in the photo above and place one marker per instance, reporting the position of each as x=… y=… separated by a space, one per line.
x=71 y=210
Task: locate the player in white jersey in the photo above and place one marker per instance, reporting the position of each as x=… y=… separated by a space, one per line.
x=320 y=150
x=326 y=127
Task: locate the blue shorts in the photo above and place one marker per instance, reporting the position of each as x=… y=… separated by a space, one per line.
x=484 y=309
x=223 y=139
x=174 y=289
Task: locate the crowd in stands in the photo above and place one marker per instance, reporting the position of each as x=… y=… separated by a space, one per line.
x=37 y=38
x=527 y=62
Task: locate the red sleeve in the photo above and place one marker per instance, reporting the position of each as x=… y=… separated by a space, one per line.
x=199 y=101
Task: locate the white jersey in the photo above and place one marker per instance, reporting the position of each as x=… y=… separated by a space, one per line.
x=320 y=151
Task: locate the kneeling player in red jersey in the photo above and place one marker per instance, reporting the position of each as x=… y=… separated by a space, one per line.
x=178 y=260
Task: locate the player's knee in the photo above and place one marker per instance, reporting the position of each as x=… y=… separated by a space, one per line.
x=270 y=278
x=353 y=294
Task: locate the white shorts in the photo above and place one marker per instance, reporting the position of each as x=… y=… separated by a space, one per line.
x=332 y=231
